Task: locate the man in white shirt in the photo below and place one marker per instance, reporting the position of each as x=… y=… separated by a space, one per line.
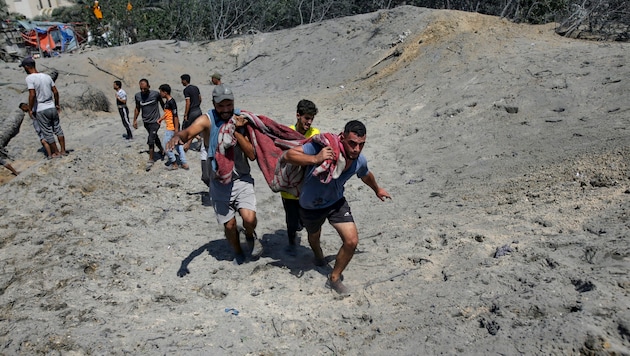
x=42 y=93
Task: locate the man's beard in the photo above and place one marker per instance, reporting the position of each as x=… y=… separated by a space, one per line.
x=226 y=115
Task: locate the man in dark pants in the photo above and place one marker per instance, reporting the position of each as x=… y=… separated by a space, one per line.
x=193 y=105
x=149 y=102
x=123 y=110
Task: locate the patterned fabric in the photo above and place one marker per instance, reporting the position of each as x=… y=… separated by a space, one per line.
x=288 y=178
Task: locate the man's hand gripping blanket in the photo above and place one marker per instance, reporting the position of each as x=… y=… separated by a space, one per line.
x=270 y=140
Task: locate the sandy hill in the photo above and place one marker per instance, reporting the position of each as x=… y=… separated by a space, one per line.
x=490 y=136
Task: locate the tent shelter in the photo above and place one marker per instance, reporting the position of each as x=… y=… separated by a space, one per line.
x=50 y=38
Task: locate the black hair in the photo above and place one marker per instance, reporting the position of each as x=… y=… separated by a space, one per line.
x=118 y=83
x=355 y=126
x=185 y=77
x=22 y=104
x=306 y=107
x=165 y=88
x=144 y=80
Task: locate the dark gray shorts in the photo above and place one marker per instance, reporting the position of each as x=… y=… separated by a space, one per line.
x=313 y=219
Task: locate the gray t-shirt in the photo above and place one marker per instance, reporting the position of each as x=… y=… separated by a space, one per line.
x=149 y=104
x=43 y=84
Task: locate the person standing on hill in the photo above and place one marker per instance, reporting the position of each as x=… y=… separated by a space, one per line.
x=43 y=95
x=306 y=111
x=123 y=110
x=172 y=127
x=205 y=164
x=193 y=105
x=149 y=102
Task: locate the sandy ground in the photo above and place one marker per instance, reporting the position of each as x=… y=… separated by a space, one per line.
x=505 y=149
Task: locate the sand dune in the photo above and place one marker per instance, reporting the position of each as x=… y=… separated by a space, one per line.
x=504 y=146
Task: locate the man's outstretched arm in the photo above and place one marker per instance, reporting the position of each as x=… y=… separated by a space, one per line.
x=197 y=127
x=370 y=181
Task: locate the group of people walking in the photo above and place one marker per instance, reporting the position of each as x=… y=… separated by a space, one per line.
x=226 y=135
x=225 y=127
x=147 y=105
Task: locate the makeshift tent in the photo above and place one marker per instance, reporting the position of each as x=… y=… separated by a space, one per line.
x=49 y=36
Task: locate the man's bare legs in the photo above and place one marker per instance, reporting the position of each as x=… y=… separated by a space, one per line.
x=231 y=234
x=313 y=240
x=249 y=224
x=10 y=167
x=54 y=151
x=46 y=148
x=62 y=143
x=350 y=240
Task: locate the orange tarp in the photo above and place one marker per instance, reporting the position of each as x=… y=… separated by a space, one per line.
x=46 y=42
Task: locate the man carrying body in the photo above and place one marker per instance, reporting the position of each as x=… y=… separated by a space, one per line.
x=320 y=201
x=238 y=194
x=123 y=110
x=306 y=111
x=193 y=103
x=43 y=95
x=149 y=101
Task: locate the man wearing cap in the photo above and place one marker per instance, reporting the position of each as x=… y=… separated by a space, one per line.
x=238 y=193
x=216 y=79
x=193 y=102
x=43 y=94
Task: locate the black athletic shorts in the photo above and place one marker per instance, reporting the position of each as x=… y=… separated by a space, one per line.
x=313 y=219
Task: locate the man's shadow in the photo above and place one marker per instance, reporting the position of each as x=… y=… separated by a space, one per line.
x=297 y=260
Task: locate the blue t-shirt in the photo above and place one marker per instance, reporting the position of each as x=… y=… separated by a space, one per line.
x=317 y=195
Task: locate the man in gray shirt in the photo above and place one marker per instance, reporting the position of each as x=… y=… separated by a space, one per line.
x=147 y=101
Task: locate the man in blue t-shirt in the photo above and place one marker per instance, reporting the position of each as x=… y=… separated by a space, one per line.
x=325 y=201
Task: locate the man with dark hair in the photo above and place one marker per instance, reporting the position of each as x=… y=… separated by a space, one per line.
x=149 y=102
x=43 y=95
x=237 y=194
x=306 y=111
x=123 y=110
x=193 y=103
x=320 y=201
x=172 y=127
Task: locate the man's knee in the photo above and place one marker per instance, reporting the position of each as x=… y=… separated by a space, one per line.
x=230 y=225
x=351 y=243
x=249 y=219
